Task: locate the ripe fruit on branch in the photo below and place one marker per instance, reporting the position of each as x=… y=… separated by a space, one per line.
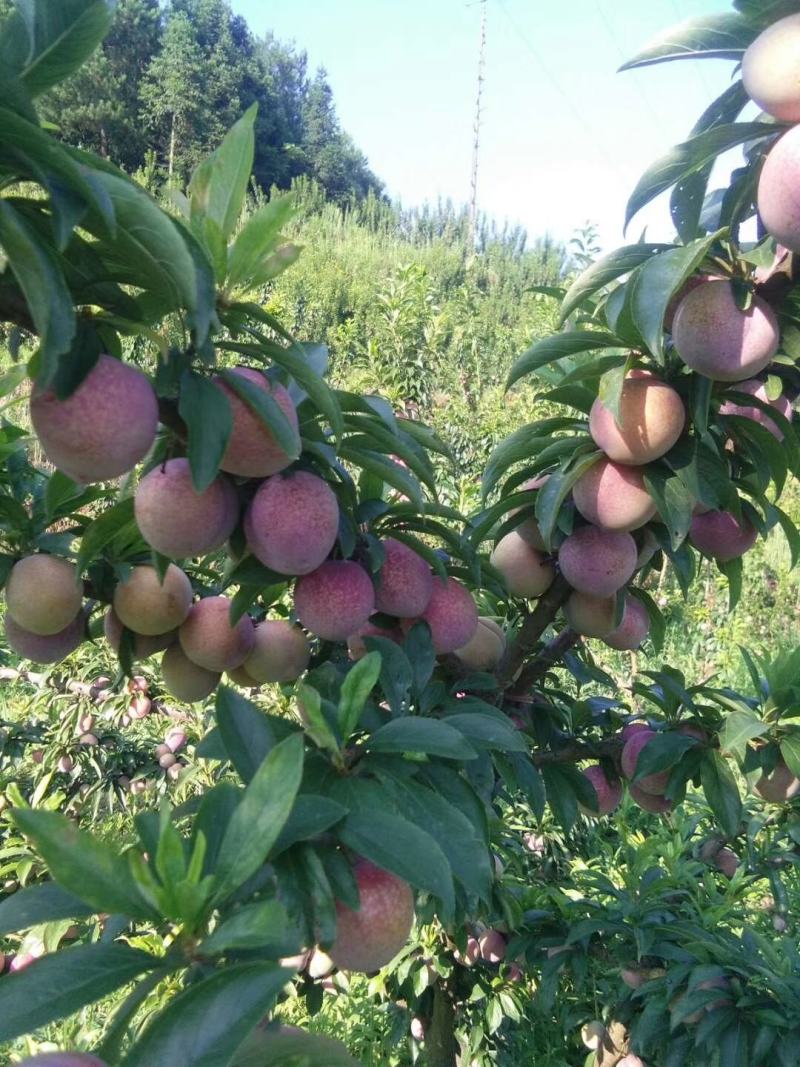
x=148 y=606
x=651 y=420
x=598 y=562
x=525 y=570
x=143 y=645
x=292 y=523
x=43 y=594
x=727 y=862
x=715 y=337
x=613 y=496
x=631 y=728
x=404 y=583
x=658 y=805
x=50 y=649
x=492 y=946
x=280 y=653
x=593 y=1034
x=769 y=69
x=720 y=535
x=779 y=785
x=104 y=428
x=633 y=629
x=252 y=450
x=355 y=642
x=779 y=191
x=367 y=939
x=591 y=616
x=451 y=614
x=178 y=521
x=471 y=954
x=485 y=649
x=758 y=389
x=335 y=599
x=608 y=790
x=185 y=680
x=653 y=784
x=208 y=638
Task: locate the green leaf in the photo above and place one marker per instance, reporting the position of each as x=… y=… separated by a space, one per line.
x=558 y=347
x=267 y=409
x=617 y=263
x=253 y=926
x=790 y=750
x=721 y=792
x=43 y=286
x=60 y=984
x=279 y=1048
x=561 y=795
x=488 y=732
x=415 y=734
x=555 y=491
x=309 y=703
x=311 y=815
x=355 y=691
x=710 y=37
x=100 y=533
x=39 y=904
x=260 y=816
x=245 y=731
x=662 y=752
x=206 y=1023
x=691 y=156
x=739 y=728
x=258 y=239
x=207 y=413
x=610 y=389
x=386 y=469
x=219 y=185
x=522 y=446
x=82 y=864
x=673 y=500
x=61 y=38
x=396 y=677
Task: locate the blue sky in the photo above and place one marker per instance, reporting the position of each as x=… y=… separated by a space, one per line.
x=564 y=137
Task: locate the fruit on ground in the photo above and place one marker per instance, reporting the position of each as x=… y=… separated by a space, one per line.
x=149 y=606
x=754 y=387
x=779 y=190
x=779 y=785
x=769 y=69
x=525 y=570
x=143 y=645
x=720 y=535
x=613 y=496
x=598 y=562
x=633 y=629
x=292 y=523
x=62 y=1059
x=608 y=790
x=185 y=680
x=404 y=583
x=209 y=640
x=367 y=939
x=593 y=1034
x=178 y=521
x=492 y=946
x=280 y=653
x=334 y=600
x=485 y=650
x=355 y=642
x=727 y=862
x=591 y=616
x=43 y=594
x=451 y=614
x=651 y=420
x=648 y=802
x=715 y=337
x=104 y=428
x=654 y=784
x=252 y=450
x=50 y=649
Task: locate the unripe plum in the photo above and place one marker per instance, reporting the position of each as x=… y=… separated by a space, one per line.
x=720 y=535
x=598 y=562
x=651 y=420
x=769 y=69
x=591 y=616
x=608 y=790
x=367 y=939
x=525 y=570
x=292 y=523
x=143 y=645
x=492 y=946
x=648 y=802
x=186 y=680
x=485 y=649
x=104 y=428
x=451 y=614
x=779 y=191
x=633 y=629
x=334 y=600
x=529 y=531
x=252 y=450
x=43 y=594
x=779 y=785
x=209 y=640
x=281 y=652
x=758 y=389
x=613 y=496
x=404 y=583
x=715 y=337
x=178 y=521
x=148 y=606
x=654 y=784
x=40 y=649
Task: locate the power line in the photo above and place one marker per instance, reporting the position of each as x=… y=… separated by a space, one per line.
x=642 y=98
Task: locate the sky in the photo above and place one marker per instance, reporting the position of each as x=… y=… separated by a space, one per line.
x=564 y=137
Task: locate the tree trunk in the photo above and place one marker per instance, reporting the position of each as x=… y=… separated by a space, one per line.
x=441 y=1047
x=172 y=149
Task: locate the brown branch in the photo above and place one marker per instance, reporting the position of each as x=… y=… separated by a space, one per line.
x=546 y=659
x=576 y=751
x=531 y=631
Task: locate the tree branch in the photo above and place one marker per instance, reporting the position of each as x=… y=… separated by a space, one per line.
x=531 y=631
x=547 y=658
x=576 y=751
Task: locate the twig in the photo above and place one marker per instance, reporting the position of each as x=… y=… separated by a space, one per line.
x=531 y=631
